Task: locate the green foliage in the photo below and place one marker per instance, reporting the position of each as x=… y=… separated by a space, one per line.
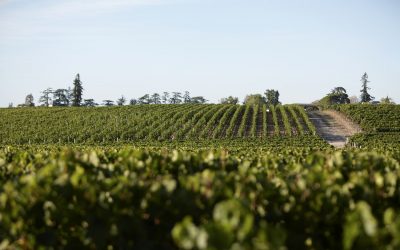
x=387 y=100
x=285 y=119
x=272 y=97
x=380 y=124
x=372 y=117
x=60 y=97
x=77 y=92
x=255 y=99
x=338 y=95
x=365 y=96
x=243 y=197
x=91 y=125
x=275 y=119
x=230 y=100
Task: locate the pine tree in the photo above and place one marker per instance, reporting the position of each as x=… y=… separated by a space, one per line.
x=77 y=92
x=365 y=96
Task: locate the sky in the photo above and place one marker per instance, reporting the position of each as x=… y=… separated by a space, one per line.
x=211 y=48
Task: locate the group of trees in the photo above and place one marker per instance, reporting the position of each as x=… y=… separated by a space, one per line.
x=271 y=97
x=58 y=97
x=338 y=95
x=73 y=97
x=166 y=98
x=156 y=98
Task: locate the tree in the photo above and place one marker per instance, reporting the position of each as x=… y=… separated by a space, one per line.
x=176 y=98
x=144 y=99
x=133 y=102
x=108 y=103
x=155 y=98
x=186 y=97
x=121 y=101
x=89 y=103
x=229 y=100
x=45 y=98
x=365 y=96
x=338 y=95
x=387 y=100
x=256 y=99
x=272 y=97
x=29 y=101
x=165 y=98
x=198 y=99
x=60 y=97
x=77 y=92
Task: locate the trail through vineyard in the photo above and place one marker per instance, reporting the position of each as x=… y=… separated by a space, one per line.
x=333 y=126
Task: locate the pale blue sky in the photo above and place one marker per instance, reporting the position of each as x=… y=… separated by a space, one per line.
x=213 y=48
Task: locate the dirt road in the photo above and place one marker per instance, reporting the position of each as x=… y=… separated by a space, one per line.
x=333 y=127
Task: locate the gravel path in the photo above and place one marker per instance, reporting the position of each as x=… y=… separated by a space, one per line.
x=333 y=127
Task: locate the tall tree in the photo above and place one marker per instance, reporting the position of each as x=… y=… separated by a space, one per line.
x=165 y=97
x=272 y=97
x=155 y=98
x=229 y=100
x=121 y=101
x=45 y=98
x=60 y=97
x=77 y=92
x=176 y=98
x=29 y=101
x=365 y=96
x=186 y=97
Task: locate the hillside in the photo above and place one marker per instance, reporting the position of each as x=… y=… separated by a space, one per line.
x=380 y=124
x=196 y=177
x=151 y=123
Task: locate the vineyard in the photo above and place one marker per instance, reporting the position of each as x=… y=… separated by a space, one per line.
x=142 y=199
x=151 y=123
x=374 y=118
x=196 y=177
x=380 y=123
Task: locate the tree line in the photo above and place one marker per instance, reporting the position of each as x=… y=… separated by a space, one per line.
x=338 y=95
x=73 y=97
